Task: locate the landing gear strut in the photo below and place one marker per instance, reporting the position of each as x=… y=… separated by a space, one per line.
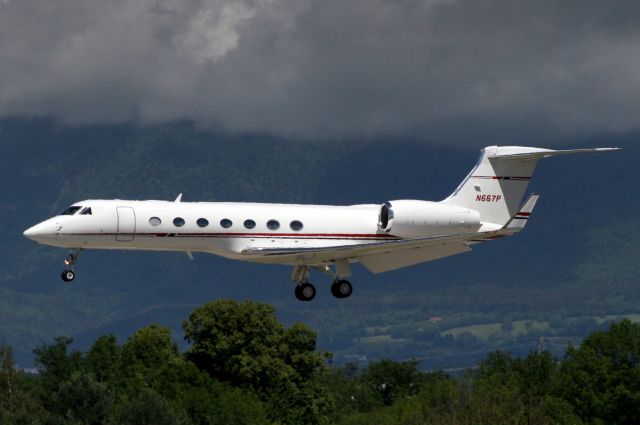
x=68 y=275
x=305 y=291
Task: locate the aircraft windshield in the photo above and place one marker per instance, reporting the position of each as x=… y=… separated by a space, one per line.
x=70 y=211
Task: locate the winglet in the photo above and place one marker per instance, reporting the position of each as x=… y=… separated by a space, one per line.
x=519 y=220
x=179 y=198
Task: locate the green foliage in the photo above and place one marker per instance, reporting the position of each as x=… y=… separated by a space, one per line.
x=146 y=381
x=601 y=378
x=245 y=367
x=83 y=400
x=147 y=355
x=103 y=359
x=245 y=345
x=390 y=380
x=147 y=407
x=18 y=405
x=56 y=364
x=238 y=343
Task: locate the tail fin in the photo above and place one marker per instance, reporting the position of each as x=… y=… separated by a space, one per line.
x=496 y=185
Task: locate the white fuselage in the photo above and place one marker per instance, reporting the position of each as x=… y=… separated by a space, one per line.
x=154 y=225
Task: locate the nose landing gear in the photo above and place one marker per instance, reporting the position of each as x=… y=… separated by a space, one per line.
x=69 y=274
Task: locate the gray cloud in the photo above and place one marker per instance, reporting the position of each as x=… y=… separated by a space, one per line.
x=445 y=70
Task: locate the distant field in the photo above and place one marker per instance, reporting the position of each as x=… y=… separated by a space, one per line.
x=380 y=339
x=525 y=327
x=633 y=317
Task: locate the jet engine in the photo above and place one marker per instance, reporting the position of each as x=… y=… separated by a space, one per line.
x=414 y=219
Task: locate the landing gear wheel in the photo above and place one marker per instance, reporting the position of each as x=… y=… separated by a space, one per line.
x=341 y=288
x=68 y=275
x=305 y=292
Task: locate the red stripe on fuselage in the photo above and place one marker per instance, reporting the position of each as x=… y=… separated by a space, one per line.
x=249 y=235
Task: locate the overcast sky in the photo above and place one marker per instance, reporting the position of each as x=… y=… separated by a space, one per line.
x=443 y=70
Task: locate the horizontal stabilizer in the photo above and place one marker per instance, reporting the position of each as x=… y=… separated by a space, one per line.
x=519 y=220
x=518 y=152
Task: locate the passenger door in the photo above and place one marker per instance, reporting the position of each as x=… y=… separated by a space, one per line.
x=126 y=224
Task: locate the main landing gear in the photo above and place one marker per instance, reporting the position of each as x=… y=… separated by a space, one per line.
x=340 y=288
x=69 y=274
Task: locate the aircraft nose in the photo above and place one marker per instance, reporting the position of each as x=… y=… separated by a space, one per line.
x=30 y=232
x=35 y=231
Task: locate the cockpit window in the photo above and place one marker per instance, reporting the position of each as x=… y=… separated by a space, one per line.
x=70 y=211
x=86 y=211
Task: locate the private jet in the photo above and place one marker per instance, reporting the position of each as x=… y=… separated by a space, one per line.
x=486 y=205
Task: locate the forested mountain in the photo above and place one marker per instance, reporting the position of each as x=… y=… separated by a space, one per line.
x=574 y=268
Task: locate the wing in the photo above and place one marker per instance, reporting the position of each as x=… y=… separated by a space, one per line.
x=376 y=256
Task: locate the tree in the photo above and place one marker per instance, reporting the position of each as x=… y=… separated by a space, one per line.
x=245 y=345
x=391 y=380
x=147 y=407
x=8 y=377
x=146 y=354
x=17 y=404
x=495 y=395
x=601 y=378
x=103 y=359
x=56 y=364
x=83 y=400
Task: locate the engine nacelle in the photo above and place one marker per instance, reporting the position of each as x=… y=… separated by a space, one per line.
x=414 y=219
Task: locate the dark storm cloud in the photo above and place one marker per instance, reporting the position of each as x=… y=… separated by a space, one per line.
x=439 y=69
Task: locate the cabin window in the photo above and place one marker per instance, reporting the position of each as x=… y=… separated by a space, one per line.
x=70 y=211
x=226 y=223
x=202 y=222
x=178 y=221
x=273 y=225
x=296 y=225
x=155 y=221
x=86 y=211
x=249 y=224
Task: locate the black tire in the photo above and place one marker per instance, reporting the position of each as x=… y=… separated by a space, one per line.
x=68 y=275
x=341 y=289
x=305 y=292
